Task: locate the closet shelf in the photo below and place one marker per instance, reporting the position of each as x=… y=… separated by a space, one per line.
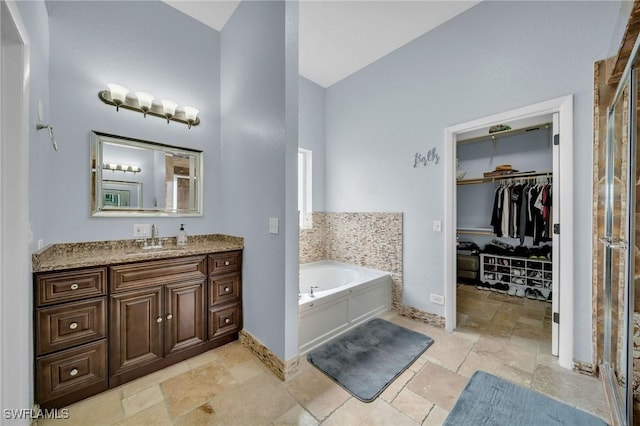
x=503 y=177
x=505 y=133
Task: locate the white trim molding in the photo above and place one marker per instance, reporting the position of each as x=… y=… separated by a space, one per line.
x=16 y=366
x=563 y=106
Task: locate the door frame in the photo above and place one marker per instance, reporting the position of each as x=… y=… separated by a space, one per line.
x=563 y=106
x=15 y=267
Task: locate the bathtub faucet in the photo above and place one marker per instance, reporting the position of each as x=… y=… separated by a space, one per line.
x=311 y=290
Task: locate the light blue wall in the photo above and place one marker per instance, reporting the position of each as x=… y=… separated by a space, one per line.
x=312 y=135
x=495 y=57
x=257 y=150
x=145 y=46
x=34 y=15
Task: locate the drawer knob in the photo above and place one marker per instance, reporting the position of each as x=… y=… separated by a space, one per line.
x=169 y=316
x=73 y=372
x=226 y=263
x=159 y=319
x=73 y=325
x=227 y=320
x=74 y=286
x=226 y=289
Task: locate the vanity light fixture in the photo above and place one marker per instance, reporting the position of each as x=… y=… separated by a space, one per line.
x=143 y=102
x=169 y=108
x=118 y=94
x=191 y=114
x=121 y=168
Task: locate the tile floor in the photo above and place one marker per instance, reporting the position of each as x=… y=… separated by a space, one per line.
x=499 y=334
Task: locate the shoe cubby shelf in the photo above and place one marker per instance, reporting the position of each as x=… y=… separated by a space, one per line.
x=517 y=276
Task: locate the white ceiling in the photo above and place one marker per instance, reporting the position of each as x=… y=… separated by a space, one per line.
x=338 y=38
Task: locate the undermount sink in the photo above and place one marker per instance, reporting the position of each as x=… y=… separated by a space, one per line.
x=144 y=252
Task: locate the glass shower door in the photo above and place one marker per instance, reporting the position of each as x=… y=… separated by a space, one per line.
x=618 y=263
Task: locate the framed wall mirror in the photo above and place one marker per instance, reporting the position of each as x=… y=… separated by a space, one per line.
x=133 y=177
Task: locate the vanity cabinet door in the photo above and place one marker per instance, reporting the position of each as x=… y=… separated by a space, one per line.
x=184 y=315
x=137 y=328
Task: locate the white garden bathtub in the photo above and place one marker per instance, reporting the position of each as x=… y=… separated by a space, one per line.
x=346 y=296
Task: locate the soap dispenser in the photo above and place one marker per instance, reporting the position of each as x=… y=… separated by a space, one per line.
x=182 y=236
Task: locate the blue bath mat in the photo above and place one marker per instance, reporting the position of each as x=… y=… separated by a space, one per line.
x=490 y=400
x=368 y=358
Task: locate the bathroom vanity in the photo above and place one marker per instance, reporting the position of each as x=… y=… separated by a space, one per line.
x=108 y=312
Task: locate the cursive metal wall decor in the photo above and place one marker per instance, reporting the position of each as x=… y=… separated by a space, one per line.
x=430 y=158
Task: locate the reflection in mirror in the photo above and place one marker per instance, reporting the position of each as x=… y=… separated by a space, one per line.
x=136 y=177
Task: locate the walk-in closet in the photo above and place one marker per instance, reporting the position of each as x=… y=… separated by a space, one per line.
x=505 y=229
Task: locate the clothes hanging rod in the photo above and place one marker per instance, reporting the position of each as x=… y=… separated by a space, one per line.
x=521 y=176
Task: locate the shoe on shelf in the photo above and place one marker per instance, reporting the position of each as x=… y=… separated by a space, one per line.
x=530 y=294
x=520 y=292
x=539 y=295
x=488 y=276
x=512 y=290
x=550 y=297
x=501 y=288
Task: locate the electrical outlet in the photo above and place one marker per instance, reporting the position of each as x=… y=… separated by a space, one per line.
x=141 y=230
x=437 y=299
x=437 y=226
x=273 y=225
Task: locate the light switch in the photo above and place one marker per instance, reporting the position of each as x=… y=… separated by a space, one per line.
x=273 y=225
x=437 y=226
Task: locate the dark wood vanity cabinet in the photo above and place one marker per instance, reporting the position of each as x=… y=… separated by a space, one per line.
x=225 y=296
x=97 y=328
x=157 y=315
x=70 y=319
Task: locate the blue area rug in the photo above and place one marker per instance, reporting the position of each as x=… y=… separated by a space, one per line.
x=490 y=400
x=368 y=358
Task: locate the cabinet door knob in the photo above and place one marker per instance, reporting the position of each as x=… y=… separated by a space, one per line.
x=226 y=289
x=73 y=372
x=159 y=319
x=74 y=286
x=227 y=320
x=169 y=316
x=226 y=263
x=73 y=325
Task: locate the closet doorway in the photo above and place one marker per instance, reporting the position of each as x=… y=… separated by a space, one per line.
x=536 y=274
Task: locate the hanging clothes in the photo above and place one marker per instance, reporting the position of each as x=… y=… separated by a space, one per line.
x=523 y=209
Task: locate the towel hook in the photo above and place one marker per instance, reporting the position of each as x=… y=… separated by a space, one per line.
x=49 y=127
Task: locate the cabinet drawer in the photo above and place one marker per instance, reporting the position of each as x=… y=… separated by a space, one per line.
x=224 y=289
x=224 y=321
x=145 y=274
x=71 y=372
x=63 y=326
x=67 y=286
x=222 y=263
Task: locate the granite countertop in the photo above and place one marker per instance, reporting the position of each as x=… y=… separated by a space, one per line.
x=101 y=253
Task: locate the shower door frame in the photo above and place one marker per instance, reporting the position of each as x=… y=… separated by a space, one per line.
x=621 y=405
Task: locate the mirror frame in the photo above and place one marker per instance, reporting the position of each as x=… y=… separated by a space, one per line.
x=96 y=161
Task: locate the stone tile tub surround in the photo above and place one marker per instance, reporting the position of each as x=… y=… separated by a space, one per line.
x=371 y=240
x=92 y=253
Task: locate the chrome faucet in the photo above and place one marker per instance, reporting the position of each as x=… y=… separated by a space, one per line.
x=154 y=241
x=311 y=290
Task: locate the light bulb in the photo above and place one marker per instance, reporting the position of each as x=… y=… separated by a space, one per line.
x=118 y=94
x=144 y=101
x=191 y=114
x=169 y=108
